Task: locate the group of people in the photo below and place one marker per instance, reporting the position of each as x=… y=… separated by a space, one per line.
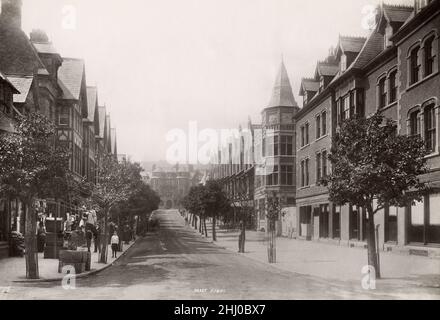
x=80 y=229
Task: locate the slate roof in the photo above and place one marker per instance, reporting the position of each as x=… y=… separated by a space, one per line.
x=396 y=13
x=107 y=134
x=113 y=141
x=308 y=85
x=23 y=84
x=372 y=48
x=351 y=44
x=70 y=75
x=101 y=114
x=282 y=95
x=45 y=48
x=8 y=82
x=17 y=54
x=326 y=69
x=92 y=102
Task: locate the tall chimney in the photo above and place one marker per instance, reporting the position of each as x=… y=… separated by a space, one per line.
x=11 y=13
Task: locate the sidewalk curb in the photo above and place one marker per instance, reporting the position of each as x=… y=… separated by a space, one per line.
x=81 y=275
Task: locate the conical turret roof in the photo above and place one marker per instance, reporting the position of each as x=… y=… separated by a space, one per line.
x=282 y=95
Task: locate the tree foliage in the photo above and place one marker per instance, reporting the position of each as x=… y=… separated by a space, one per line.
x=371 y=162
x=31 y=166
x=373 y=167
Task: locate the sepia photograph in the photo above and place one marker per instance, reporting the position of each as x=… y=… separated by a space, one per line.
x=219 y=155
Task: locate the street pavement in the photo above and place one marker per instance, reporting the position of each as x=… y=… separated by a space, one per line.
x=175 y=262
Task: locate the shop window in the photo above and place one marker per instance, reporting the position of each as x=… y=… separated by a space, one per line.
x=336 y=222
x=417 y=223
x=391 y=224
x=433 y=227
x=324 y=221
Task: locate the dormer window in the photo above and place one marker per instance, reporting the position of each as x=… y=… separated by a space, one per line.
x=388 y=35
x=343 y=62
x=321 y=83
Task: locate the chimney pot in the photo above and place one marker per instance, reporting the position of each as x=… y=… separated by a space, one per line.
x=11 y=13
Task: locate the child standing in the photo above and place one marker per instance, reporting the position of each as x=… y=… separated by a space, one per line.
x=115 y=243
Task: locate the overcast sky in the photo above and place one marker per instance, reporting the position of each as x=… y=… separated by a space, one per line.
x=162 y=63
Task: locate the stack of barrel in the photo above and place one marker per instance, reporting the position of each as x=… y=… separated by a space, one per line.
x=54 y=238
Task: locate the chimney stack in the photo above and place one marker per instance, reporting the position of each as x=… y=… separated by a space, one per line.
x=11 y=13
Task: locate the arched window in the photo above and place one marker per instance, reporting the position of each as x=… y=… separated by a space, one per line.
x=393 y=86
x=429 y=55
x=414 y=65
x=414 y=123
x=430 y=127
x=382 y=93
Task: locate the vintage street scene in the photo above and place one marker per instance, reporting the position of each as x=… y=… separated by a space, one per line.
x=219 y=150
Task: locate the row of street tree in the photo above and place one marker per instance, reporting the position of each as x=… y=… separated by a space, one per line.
x=33 y=166
x=372 y=167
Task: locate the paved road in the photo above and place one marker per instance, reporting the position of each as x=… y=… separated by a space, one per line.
x=177 y=263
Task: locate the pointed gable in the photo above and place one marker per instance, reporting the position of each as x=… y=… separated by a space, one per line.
x=308 y=85
x=71 y=74
x=107 y=133
x=282 y=95
x=351 y=44
x=113 y=141
x=23 y=85
x=101 y=117
x=92 y=103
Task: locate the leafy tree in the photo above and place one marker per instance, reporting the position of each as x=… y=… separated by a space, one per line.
x=30 y=165
x=142 y=202
x=373 y=167
x=194 y=203
x=116 y=182
x=215 y=203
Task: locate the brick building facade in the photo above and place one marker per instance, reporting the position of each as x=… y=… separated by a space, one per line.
x=394 y=70
x=35 y=77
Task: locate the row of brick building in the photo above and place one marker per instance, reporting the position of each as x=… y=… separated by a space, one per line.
x=395 y=70
x=35 y=77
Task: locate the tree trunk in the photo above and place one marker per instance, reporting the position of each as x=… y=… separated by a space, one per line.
x=271 y=244
x=200 y=225
x=242 y=238
x=195 y=222
x=31 y=241
x=214 y=234
x=206 y=229
x=104 y=240
x=372 y=253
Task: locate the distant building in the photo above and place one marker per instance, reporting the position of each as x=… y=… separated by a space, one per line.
x=172 y=185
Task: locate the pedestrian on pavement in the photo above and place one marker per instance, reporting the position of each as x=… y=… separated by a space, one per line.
x=115 y=244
